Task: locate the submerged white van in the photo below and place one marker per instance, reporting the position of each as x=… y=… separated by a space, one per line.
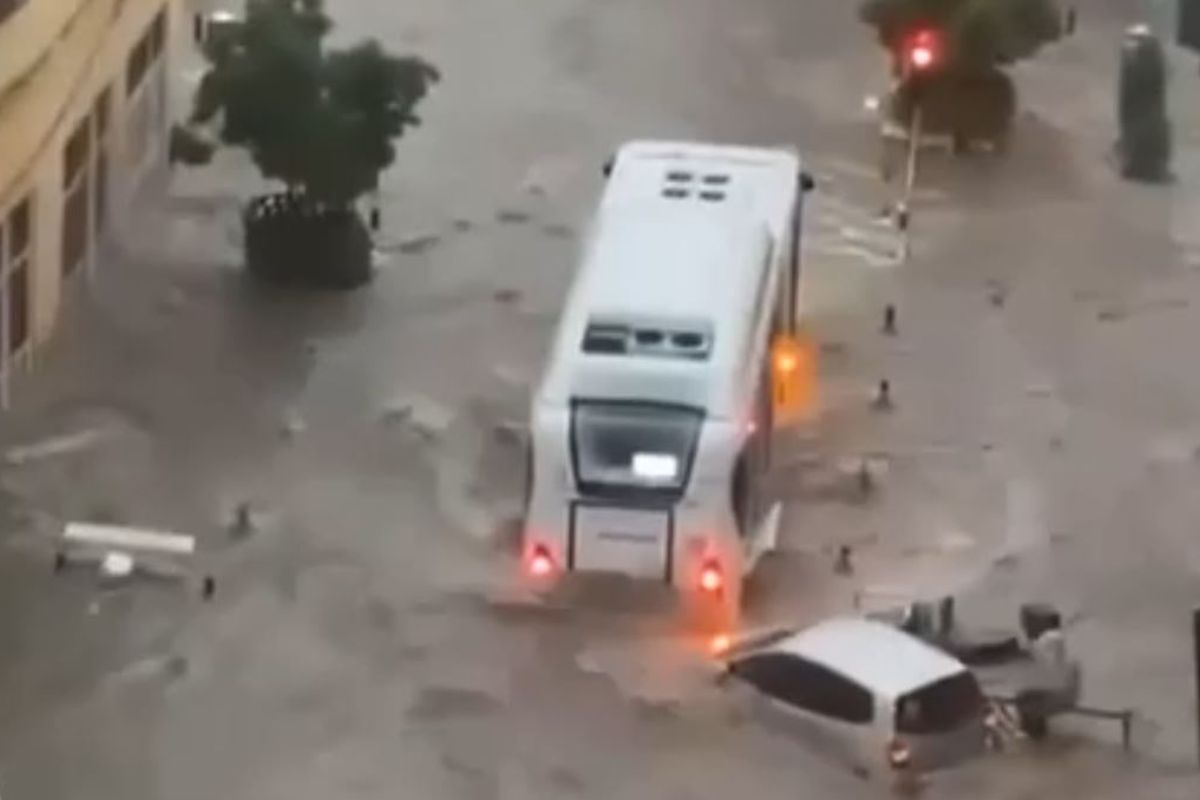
x=866 y=694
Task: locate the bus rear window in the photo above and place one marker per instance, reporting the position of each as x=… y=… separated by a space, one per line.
x=633 y=446
x=940 y=707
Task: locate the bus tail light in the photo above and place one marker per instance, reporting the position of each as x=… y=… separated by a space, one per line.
x=711 y=579
x=541 y=565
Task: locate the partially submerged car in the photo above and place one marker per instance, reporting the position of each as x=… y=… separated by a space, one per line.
x=864 y=693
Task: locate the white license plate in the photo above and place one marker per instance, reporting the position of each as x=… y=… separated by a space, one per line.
x=622 y=540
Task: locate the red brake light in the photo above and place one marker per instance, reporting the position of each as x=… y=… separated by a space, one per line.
x=710 y=577
x=540 y=563
x=719 y=645
x=898 y=754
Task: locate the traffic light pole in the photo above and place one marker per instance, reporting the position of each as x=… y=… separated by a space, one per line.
x=910 y=177
x=904 y=209
x=914 y=146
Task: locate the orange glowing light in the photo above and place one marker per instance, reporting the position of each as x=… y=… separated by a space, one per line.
x=794 y=379
x=786 y=361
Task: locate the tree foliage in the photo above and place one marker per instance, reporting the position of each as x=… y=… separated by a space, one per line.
x=978 y=34
x=321 y=121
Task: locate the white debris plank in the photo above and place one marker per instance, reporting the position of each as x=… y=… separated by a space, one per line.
x=122 y=537
x=56 y=446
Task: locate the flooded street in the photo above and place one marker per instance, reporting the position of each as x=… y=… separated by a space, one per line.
x=356 y=647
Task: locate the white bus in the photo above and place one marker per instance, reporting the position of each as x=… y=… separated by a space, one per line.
x=650 y=428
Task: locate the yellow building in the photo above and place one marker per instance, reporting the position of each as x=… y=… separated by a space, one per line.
x=83 y=119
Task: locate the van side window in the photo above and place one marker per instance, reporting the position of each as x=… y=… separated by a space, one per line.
x=807 y=686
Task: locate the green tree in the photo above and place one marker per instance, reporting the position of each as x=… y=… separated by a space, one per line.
x=967 y=93
x=323 y=122
x=978 y=34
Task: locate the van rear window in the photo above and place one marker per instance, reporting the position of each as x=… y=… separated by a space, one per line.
x=940 y=707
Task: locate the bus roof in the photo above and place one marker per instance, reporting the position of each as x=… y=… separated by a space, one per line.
x=764 y=178
x=680 y=243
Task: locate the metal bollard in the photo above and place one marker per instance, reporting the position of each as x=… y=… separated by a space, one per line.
x=883 y=398
x=843 y=566
x=889 y=320
x=866 y=483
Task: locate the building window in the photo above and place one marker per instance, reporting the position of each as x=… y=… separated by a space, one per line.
x=16 y=255
x=101 y=113
x=146 y=87
x=9 y=7
x=139 y=63
x=76 y=231
x=146 y=53
x=158 y=36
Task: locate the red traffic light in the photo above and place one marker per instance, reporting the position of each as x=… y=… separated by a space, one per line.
x=923 y=50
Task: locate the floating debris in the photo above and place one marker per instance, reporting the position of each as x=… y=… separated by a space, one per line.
x=511 y=216
x=416 y=245
x=558 y=231
x=427 y=417
x=55 y=446
x=116 y=565
x=292 y=425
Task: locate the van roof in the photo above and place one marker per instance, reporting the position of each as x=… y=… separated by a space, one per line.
x=877 y=656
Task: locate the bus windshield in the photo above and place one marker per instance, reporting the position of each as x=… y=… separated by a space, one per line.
x=633 y=446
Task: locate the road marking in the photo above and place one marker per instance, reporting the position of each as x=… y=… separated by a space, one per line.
x=875 y=260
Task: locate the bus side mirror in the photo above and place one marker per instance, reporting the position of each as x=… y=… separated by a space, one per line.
x=608 y=167
x=807 y=184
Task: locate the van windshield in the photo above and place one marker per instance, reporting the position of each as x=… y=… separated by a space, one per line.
x=633 y=446
x=940 y=707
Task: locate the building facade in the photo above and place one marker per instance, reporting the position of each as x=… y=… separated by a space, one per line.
x=83 y=125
